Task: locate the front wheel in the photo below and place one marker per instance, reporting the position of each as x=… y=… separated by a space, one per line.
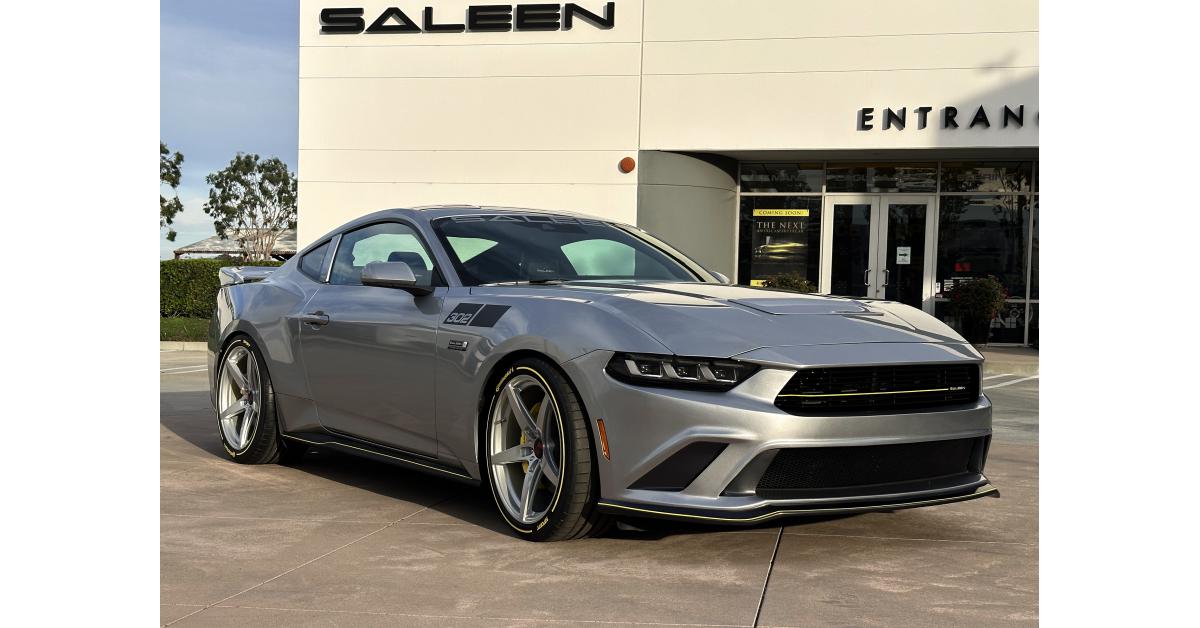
x=539 y=455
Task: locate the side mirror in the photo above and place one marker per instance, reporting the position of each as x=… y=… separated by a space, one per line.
x=393 y=275
x=720 y=277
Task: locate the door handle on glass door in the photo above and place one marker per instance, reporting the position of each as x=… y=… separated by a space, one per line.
x=887 y=274
x=316 y=319
x=866 y=274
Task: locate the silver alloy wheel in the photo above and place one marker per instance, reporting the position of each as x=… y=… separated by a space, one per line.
x=524 y=451
x=239 y=397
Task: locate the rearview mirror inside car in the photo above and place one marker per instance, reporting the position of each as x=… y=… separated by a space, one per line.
x=393 y=275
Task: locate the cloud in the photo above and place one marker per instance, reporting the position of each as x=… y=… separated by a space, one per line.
x=228 y=83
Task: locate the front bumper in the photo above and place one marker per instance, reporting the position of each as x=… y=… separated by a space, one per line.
x=646 y=427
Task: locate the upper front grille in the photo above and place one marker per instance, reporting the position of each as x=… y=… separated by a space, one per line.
x=876 y=389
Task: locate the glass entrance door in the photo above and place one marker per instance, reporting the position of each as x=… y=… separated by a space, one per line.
x=879 y=247
x=852 y=223
x=903 y=256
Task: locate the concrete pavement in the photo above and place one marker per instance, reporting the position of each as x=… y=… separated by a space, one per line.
x=337 y=540
x=1014 y=360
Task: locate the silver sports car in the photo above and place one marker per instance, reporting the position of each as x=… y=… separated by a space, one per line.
x=586 y=370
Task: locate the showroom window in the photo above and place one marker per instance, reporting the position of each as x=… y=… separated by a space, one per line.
x=882 y=178
x=980 y=236
x=781 y=239
x=985 y=223
x=782 y=177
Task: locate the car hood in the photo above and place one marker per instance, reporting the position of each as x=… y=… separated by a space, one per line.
x=715 y=320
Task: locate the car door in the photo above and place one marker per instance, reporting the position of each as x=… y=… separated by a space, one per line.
x=368 y=351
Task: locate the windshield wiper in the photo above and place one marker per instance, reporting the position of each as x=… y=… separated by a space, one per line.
x=527 y=282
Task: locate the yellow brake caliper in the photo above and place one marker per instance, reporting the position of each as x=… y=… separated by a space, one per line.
x=534 y=411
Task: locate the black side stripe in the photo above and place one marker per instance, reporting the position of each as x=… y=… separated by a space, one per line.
x=488 y=316
x=476 y=315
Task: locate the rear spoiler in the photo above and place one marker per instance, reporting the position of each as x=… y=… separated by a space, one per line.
x=233 y=275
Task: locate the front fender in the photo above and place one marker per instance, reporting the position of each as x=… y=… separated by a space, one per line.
x=558 y=329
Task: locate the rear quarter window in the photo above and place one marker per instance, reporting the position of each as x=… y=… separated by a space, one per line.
x=314 y=261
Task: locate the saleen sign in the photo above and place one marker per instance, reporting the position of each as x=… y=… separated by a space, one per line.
x=479 y=18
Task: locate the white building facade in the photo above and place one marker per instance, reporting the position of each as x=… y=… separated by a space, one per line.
x=873 y=148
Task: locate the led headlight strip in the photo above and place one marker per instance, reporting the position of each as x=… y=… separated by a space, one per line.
x=678 y=372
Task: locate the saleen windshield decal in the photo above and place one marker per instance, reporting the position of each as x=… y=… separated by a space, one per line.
x=535 y=218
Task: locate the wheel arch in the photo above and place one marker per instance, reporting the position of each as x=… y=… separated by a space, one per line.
x=497 y=372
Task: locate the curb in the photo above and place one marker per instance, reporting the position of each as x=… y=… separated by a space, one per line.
x=176 y=345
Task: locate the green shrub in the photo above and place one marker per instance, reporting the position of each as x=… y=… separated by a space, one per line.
x=796 y=282
x=188 y=287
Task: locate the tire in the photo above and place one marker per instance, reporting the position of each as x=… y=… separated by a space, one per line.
x=251 y=436
x=559 y=445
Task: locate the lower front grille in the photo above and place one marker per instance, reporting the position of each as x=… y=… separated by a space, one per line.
x=828 y=471
x=877 y=389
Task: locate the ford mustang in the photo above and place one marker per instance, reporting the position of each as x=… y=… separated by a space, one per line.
x=586 y=371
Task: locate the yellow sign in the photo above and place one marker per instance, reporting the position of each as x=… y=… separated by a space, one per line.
x=756 y=283
x=780 y=212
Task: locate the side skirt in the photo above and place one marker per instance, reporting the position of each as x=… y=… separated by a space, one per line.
x=382 y=453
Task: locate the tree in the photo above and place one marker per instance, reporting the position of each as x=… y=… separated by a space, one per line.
x=252 y=201
x=169 y=172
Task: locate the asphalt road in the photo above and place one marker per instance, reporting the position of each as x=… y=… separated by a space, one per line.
x=339 y=541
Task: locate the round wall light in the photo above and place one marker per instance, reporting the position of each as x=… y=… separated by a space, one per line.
x=626 y=165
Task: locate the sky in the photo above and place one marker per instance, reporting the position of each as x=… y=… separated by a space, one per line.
x=228 y=83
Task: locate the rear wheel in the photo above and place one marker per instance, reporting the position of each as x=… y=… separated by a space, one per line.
x=538 y=455
x=245 y=403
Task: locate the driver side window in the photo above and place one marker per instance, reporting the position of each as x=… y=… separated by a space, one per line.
x=381 y=242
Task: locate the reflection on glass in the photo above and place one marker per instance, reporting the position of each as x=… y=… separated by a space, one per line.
x=980 y=236
x=882 y=178
x=1008 y=327
x=905 y=253
x=782 y=177
x=1033 y=324
x=1033 y=277
x=987 y=176
x=851 y=249
x=785 y=236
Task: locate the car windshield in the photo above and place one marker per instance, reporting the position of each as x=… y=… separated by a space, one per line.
x=504 y=248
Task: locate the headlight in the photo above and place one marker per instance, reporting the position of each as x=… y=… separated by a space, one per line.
x=678 y=372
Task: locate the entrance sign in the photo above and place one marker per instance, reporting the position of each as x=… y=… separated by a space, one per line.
x=1005 y=116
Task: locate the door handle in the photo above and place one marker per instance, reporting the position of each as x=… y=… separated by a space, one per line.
x=866 y=274
x=887 y=274
x=316 y=319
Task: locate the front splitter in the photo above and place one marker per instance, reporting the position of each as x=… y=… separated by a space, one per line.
x=767 y=513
